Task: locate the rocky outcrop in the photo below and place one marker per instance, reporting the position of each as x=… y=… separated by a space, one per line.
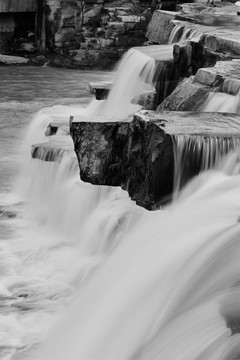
x=65 y=19
x=191 y=94
x=13 y=60
x=100 y=90
x=139 y=156
x=109 y=29
x=188 y=96
x=80 y=33
x=127 y=155
x=205 y=51
x=160 y=26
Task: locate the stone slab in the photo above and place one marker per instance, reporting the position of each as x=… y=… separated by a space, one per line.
x=225 y=75
x=139 y=155
x=207 y=124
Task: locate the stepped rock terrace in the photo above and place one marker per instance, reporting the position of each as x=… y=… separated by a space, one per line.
x=139 y=156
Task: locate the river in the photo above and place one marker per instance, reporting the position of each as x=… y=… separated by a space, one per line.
x=85 y=274
x=23 y=92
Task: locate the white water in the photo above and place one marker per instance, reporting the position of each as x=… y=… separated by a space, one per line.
x=55 y=229
x=131 y=284
x=166 y=291
x=196 y=153
x=221 y=102
x=134 y=77
x=182 y=33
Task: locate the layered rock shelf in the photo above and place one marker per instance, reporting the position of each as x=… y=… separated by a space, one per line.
x=139 y=156
x=191 y=94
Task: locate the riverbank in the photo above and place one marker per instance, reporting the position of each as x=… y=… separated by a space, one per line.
x=100 y=52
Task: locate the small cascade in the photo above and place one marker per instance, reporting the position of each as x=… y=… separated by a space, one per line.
x=222 y=102
x=182 y=32
x=134 y=77
x=165 y=79
x=197 y=153
x=55 y=195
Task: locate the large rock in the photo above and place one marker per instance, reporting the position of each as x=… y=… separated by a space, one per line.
x=192 y=93
x=206 y=50
x=225 y=75
x=160 y=26
x=12 y=60
x=139 y=156
x=188 y=96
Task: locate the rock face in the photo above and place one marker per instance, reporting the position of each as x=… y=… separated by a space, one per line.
x=65 y=19
x=188 y=96
x=109 y=29
x=139 y=156
x=206 y=51
x=88 y=33
x=192 y=93
x=160 y=26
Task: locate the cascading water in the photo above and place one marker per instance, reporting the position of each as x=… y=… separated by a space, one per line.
x=134 y=77
x=166 y=291
x=138 y=285
x=182 y=32
x=197 y=153
x=222 y=102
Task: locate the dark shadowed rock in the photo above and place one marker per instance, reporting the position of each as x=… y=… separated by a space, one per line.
x=139 y=156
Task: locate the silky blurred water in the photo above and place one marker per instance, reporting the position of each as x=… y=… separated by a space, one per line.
x=24 y=257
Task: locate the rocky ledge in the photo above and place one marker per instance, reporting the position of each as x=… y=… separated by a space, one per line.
x=191 y=94
x=139 y=156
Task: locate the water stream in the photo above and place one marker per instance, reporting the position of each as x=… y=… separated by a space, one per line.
x=85 y=274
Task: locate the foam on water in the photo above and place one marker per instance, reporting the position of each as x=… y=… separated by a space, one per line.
x=221 y=102
x=136 y=284
x=165 y=289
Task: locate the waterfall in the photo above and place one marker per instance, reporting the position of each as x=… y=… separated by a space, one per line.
x=197 y=153
x=131 y=284
x=182 y=32
x=134 y=77
x=166 y=77
x=169 y=290
x=221 y=102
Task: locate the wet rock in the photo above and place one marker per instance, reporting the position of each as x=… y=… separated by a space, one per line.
x=99 y=90
x=192 y=93
x=188 y=96
x=138 y=155
x=127 y=155
x=160 y=26
x=223 y=41
x=147 y=100
x=182 y=54
x=225 y=75
x=51 y=151
x=12 y=60
x=206 y=50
